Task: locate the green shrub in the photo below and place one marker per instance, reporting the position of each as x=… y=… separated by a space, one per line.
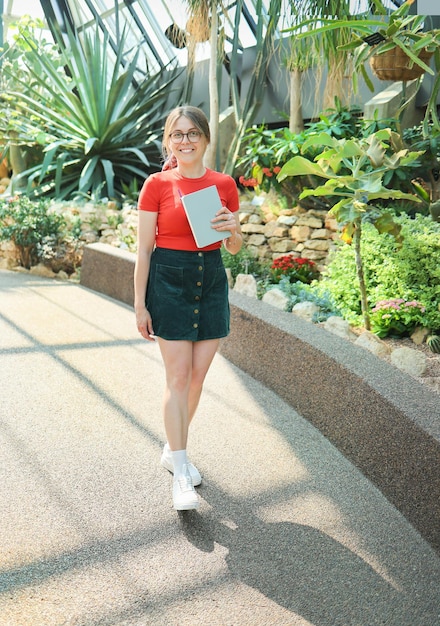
x=244 y=262
x=410 y=272
x=396 y=317
x=300 y=292
x=32 y=227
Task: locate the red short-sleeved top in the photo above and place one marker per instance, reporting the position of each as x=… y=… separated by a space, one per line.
x=161 y=194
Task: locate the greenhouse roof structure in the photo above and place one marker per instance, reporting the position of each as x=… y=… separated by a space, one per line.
x=154 y=22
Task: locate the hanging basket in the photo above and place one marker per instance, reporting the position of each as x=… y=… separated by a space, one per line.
x=176 y=35
x=396 y=65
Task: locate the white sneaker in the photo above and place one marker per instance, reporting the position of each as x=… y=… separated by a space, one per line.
x=184 y=494
x=167 y=463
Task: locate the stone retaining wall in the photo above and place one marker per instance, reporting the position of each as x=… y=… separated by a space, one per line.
x=307 y=234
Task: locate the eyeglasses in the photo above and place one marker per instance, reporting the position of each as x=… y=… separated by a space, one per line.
x=193 y=136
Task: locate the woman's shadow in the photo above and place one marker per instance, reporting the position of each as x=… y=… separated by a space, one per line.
x=301 y=568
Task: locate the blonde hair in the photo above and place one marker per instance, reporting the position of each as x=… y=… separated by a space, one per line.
x=197 y=117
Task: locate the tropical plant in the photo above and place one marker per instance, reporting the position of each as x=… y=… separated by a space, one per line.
x=300 y=59
x=354 y=170
x=98 y=128
x=265 y=150
x=429 y=169
x=372 y=37
x=260 y=161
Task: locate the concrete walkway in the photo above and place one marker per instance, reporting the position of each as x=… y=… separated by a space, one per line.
x=288 y=532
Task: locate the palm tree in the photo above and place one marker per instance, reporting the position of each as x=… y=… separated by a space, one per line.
x=203 y=24
x=205 y=14
x=319 y=52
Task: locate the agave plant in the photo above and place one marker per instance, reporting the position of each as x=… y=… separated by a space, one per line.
x=99 y=130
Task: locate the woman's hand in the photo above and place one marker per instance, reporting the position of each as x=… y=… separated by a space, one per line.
x=225 y=220
x=144 y=324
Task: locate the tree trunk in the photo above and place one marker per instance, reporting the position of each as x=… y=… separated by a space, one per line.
x=214 y=113
x=360 y=273
x=296 y=122
x=17 y=160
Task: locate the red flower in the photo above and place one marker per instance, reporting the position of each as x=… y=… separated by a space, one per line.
x=248 y=182
x=294 y=268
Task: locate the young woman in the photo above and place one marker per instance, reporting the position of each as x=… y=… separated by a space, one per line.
x=181 y=291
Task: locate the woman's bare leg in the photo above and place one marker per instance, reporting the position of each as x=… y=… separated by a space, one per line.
x=203 y=354
x=177 y=357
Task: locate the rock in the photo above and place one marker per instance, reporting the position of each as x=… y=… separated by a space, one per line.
x=273 y=229
x=340 y=327
x=246 y=284
x=317 y=244
x=281 y=245
x=280 y=231
x=331 y=223
x=300 y=233
x=89 y=236
x=320 y=233
x=311 y=221
x=373 y=343
x=41 y=270
x=419 y=335
x=249 y=229
x=305 y=310
x=276 y=298
x=408 y=360
x=287 y=220
x=7 y=263
x=256 y=240
x=313 y=255
x=62 y=275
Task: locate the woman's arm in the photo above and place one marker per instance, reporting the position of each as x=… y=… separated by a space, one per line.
x=145 y=244
x=234 y=242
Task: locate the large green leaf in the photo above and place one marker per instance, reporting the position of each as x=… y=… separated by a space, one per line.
x=300 y=166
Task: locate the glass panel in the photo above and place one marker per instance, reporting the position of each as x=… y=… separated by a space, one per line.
x=150 y=24
x=18 y=8
x=15 y=9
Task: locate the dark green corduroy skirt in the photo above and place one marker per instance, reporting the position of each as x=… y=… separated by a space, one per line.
x=187 y=295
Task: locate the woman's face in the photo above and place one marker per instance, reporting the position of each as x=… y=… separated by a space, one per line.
x=189 y=143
